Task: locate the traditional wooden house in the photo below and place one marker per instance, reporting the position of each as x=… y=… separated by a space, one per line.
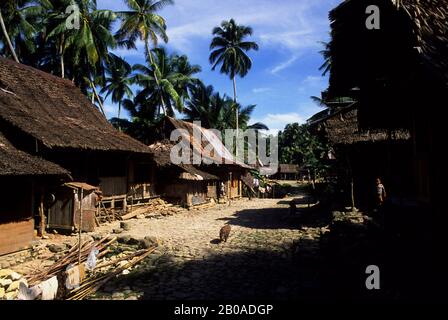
x=49 y=117
x=22 y=176
x=361 y=156
x=401 y=70
x=287 y=172
x=181 y=183
x=213 y=156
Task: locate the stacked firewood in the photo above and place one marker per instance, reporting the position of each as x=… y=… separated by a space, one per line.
x=104 y=269
x=153 y=209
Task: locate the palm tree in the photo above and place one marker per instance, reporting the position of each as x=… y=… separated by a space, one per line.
x=8 y=40
x=230 y=52
x=142 y=21
x=118 y=80
x=326 y=54
x=88 y=47
x=144 y=117
x=186 y=71
x=19 y=21
x=163 y=82
x=216 y=111
x=197 y=107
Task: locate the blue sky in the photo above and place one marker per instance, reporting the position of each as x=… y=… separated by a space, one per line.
x=285 y=69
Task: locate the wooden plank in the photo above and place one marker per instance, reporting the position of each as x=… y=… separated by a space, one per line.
x=134 y=213
x=16 y=236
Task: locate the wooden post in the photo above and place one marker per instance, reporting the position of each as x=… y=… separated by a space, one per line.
x=230 y=188
x=41 y=215
x=80 y=225
x=352 y=194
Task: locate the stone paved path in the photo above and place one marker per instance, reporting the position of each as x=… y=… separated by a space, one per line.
x=269 y=254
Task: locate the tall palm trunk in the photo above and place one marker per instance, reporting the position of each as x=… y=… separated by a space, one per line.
x=98 y=98
x=8 y=40
x=236 y=108
x=236 y=113
x=151 y=60
x=61 y=52
x=119 y=109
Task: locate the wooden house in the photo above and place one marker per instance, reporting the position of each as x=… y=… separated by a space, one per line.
x=22 y=176
x=362 y=156
x=215 y=158
x=50 y=117
x=401 y=70
x=287 y=172
x=184 y=184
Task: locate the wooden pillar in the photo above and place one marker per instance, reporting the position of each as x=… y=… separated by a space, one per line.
x=41 y=215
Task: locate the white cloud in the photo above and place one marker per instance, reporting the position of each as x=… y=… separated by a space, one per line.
x=313 y=84
x=261 y=90
x=283 y=65
x=289 y=24
x=277 y=122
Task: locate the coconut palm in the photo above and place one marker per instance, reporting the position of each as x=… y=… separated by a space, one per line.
x=229 y=51
x=216 y=111
x=118 y=80
x=144 y=117
x=186 y=72
x=88 y=47
x=163 y=82
x=19 y=21
x=7 y=38
x=142 y=22
x=197 y=107
x=326 y=54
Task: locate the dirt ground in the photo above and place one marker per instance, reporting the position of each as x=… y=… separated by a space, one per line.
x=258 y=261
x=270 y=253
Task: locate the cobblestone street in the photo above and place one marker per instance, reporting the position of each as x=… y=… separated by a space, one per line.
x=269 y=254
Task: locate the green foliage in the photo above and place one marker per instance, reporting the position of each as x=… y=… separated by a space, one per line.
x=297 y=145
x=118 y=80
x=167 y=82
x=229 y=49
x=216 y=111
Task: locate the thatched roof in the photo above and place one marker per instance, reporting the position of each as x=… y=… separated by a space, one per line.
x=411 y=32
x=161 y=151
x=210 y=147
x=14 y=162
x=288 y=168
x=55 y=112
x=341 y=128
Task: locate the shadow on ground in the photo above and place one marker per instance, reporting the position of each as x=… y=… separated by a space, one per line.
x=257 y=274
x=279 y=218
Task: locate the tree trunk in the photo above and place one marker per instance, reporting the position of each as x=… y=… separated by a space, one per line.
x=98 y=98
x=8 y=40
x=352 y=190
x=61 y=52
x=236 y=113
x=236 y=108
x=352 y=184
x=119 y=109
x=151 y=60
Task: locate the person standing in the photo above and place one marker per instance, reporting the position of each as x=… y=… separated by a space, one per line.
x=380 y=193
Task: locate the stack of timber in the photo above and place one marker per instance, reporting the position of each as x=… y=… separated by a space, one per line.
x=108 y=265
x=155 y=208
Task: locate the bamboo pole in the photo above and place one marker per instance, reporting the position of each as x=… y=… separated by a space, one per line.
x=80 y=225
